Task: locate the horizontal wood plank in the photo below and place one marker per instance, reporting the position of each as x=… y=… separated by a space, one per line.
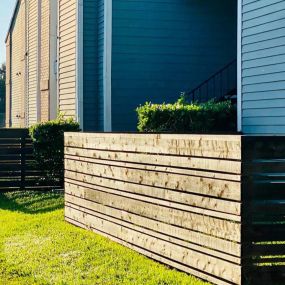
x=152 y=255
x=192 y=184
x=183 y=198
x=169 y=250
x=219 y=247
x=188 y=162
x=159 y=168
x=223 y=147
x=198 y=222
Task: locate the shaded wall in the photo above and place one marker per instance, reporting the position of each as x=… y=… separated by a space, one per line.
x=161 y=48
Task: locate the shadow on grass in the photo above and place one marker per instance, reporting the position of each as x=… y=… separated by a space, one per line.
x=31 y=202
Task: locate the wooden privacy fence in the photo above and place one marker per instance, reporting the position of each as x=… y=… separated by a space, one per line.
x=17 y=164
x=212 y=206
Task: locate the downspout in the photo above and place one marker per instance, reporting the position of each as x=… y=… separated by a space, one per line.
x=79 y=64
x=239 y=67
x=57 y=58
x=10 y=81
x=26 y=66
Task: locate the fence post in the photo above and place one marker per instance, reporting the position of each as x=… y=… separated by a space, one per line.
x=23 y=160
x=246 y=210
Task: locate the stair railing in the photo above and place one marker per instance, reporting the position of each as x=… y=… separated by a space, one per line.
x=217 y=86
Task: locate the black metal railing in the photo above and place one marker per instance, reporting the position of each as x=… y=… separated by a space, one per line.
x=221 y=85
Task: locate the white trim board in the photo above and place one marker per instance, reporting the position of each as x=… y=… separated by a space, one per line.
x=57 y=56
x=53 y=89
x=79 y=64
x=107 y=69
x=26 y=67
x=38 y=119
x=239 y=66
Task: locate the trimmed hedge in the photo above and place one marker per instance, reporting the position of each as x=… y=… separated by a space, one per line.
x=48 y=144
x=183 y=117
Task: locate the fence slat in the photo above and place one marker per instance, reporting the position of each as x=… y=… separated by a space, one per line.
x=17 y=163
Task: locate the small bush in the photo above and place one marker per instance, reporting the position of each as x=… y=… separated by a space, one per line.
x=48 y=143
x=183 y=117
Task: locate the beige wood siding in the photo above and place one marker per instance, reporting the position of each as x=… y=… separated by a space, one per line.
x=18 y=68
x=32 y=87
x=29 y=49
x=67 y=58
x=8 y=81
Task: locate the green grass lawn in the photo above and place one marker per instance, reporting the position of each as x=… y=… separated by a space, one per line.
x=38 y=247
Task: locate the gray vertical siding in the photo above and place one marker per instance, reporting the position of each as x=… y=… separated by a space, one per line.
x=263 y=66
x=163 y=47
x=90 y=58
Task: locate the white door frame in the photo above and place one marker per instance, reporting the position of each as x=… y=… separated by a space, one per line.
x=239 y=66
x=79 y=64
x=53 y=88
x=38 y=119
x=107 y=69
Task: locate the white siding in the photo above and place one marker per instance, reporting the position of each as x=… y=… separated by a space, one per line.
x=263 y=66
x=33 y=72
x=67 y=58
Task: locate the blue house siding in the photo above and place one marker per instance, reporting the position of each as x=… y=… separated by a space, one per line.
x=90 y=86
x=263 y=66
x=163 y=47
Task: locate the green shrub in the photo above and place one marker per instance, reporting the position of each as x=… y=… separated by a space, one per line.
x=2 y=94
x=183 y=117
x=48 y=143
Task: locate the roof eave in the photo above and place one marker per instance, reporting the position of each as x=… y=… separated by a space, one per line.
x=12 y=19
